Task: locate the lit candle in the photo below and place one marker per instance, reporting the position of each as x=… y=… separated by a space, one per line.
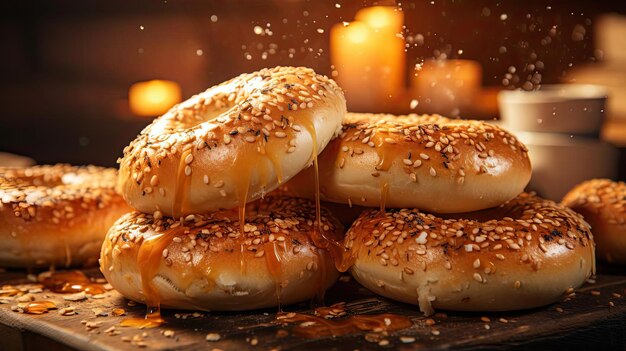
x=351 y=55
x=368 y=55
x=446 y=86
x=154 y=97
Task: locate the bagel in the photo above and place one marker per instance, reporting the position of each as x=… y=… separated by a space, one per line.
x=526 y=253
x=56 y=215
x=432 y=163
x=602 y=202
x=208 y=262
x=233 y=143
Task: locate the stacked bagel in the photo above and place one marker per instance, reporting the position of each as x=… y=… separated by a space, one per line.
x=207 y=234
x=492 y=247
x=212 y=232
x=56 y=215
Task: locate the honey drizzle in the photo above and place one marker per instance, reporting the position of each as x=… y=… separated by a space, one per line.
x=341 y=257
x=39 y=307
x=319 y=325
x=274 y=266
x=319 y=238
x=182 y=187
x=149 y=258
x=384 y=192
x=70 y=282
x=278 y=169
x=242 y=188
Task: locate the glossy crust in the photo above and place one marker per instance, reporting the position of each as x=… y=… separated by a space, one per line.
x=526 y=253
x=204 y=262
x=428 y=162
x=56 y=215
x=233 y=143
x=602 y=202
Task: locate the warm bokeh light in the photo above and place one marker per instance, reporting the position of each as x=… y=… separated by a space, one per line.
x=447 y=86
x=369 y=57
x=381 y=17
x=154 y=97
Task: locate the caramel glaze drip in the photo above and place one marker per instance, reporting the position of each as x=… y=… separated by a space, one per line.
x=182 y=186
x=328 y=321
x=149 y=257
x=70 y=282
x=39 y=307
x=152 y=319
x=339 y=254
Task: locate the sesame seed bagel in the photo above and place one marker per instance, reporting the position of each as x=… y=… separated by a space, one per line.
x=233 y=143
x=602 y=202
x=525 y=253
x=56 y=215
x=207 y=262
x=432 y=163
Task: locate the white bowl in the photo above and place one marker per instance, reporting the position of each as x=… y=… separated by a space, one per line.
x=560 y=161
x=562 y=108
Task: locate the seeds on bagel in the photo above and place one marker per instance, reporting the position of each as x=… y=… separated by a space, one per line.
x=251 y=133
x=523 y=254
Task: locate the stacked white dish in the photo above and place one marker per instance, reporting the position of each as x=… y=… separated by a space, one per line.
x=561 y=125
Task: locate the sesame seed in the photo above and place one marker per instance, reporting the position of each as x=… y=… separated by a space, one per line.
x=476 y=263
x=189 y=159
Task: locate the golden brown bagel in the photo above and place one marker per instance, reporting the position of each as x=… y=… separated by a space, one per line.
x=205 y=262
x=428 y=162
x=526 y=253
x=602 y=202
x=233 y=143
x=56 y=215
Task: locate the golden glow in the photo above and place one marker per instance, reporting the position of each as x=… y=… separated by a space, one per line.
x=357 y=32
x=381 y=17
x=154 y=97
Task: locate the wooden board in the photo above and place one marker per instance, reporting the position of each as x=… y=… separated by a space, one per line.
x=588 y=319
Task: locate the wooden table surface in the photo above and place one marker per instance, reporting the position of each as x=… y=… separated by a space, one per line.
x=594 y=317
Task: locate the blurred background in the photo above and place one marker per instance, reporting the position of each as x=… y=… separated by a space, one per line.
x=81 y=78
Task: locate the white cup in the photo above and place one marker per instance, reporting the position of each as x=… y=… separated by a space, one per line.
x=561 y=161
x=561 y=108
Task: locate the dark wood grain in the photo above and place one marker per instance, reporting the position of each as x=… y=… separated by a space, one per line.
x=587 y=320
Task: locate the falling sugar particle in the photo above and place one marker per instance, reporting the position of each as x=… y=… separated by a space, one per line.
x=503 y=17
x=214 y=18
x=140 y=27
x=413 y=104
x=320 y=30
x=338 y=5
x=199 y=52
x=258 y=30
